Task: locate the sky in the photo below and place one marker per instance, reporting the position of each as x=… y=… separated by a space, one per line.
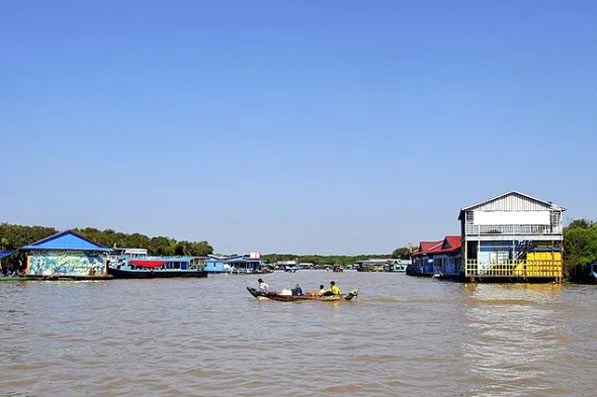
x=308 y=127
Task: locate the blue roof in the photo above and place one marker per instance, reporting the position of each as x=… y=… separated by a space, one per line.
x=5 y=253
x=67 y=240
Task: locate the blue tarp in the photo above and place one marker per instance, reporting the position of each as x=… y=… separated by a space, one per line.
x=5 y=253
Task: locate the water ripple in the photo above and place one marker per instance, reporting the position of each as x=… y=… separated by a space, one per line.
x=403 y=336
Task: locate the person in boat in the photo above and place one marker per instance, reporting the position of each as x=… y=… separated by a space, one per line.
x=333 y=290
x=321 y=290
x=297 y=290
x=262 y=285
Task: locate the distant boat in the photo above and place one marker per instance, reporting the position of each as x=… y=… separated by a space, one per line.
x=134 y=263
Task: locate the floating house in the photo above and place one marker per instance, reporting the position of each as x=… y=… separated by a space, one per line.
x=306 y=265
x=136 y=263
x=447 y=258
x=251 y=263
x=381 y=265
x=4 y=254
x=66 y=254
x=512 y=236
x=441 y=258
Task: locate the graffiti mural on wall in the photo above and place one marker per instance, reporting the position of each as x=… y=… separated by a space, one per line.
x=66 y=263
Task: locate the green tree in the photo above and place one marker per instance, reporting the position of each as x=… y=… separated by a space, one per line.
x=580 y=243
x=16 y=236
x=401 y=253
x=160 y=246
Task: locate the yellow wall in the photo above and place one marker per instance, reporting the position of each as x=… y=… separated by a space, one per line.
x=540 y=264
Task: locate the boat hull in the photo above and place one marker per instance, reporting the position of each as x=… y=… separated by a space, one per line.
x=301 y=298
x=120 y=273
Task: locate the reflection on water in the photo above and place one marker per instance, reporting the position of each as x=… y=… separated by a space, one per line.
x=209 y=337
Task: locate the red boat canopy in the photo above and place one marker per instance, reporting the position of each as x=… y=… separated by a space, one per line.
x=147 y=263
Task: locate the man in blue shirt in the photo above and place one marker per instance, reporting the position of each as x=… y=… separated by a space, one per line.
x=297 y=290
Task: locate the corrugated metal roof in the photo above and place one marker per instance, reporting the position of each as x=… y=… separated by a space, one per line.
x=452 y=242
x=512 y=201
x=67 y=240
x=447 y=245
x=427 y=246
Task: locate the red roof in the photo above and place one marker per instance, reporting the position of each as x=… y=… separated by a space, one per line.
x=427 y=246
x=450 y=244
x=447 y=245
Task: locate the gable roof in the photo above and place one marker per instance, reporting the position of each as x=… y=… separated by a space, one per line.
x=452 y=242
x=448 y=245
x=427 y=246
x=67 y=240
x=511 y=193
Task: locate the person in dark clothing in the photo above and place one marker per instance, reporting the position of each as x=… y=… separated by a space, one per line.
x=297 y=290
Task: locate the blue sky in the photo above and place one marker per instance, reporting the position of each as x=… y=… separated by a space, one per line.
x=331 y=127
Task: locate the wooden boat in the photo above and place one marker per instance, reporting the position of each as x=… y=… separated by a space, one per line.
x=141 y=272
x=136 y=264
x=276 y=296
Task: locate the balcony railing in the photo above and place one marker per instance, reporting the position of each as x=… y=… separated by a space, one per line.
x=515 y=269
x=488 y=230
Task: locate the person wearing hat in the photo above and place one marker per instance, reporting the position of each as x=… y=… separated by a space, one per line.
x=262 y=285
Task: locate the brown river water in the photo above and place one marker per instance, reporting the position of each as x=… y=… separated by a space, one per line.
x=404 y=336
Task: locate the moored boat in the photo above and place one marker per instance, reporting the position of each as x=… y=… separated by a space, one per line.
x=276 y=296
x=134 y=263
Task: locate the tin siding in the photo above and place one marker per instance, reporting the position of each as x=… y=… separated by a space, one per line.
x=513 y=202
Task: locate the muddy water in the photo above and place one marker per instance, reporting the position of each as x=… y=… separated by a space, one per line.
x=208 y=337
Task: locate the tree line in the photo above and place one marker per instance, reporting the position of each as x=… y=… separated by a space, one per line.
x=16 y=236
x=580 y=247
x=341 y=260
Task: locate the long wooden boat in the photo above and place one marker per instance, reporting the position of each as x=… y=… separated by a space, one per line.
x=142 y=266
x=276 y=296
x=155 y=273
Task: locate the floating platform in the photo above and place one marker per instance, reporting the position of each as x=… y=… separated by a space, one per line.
x=64 y=277
x=19 y=278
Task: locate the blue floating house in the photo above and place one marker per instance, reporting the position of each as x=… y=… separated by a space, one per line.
x=438 y=258
x=251 y=263
x=4 y=254
x=65 y=254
